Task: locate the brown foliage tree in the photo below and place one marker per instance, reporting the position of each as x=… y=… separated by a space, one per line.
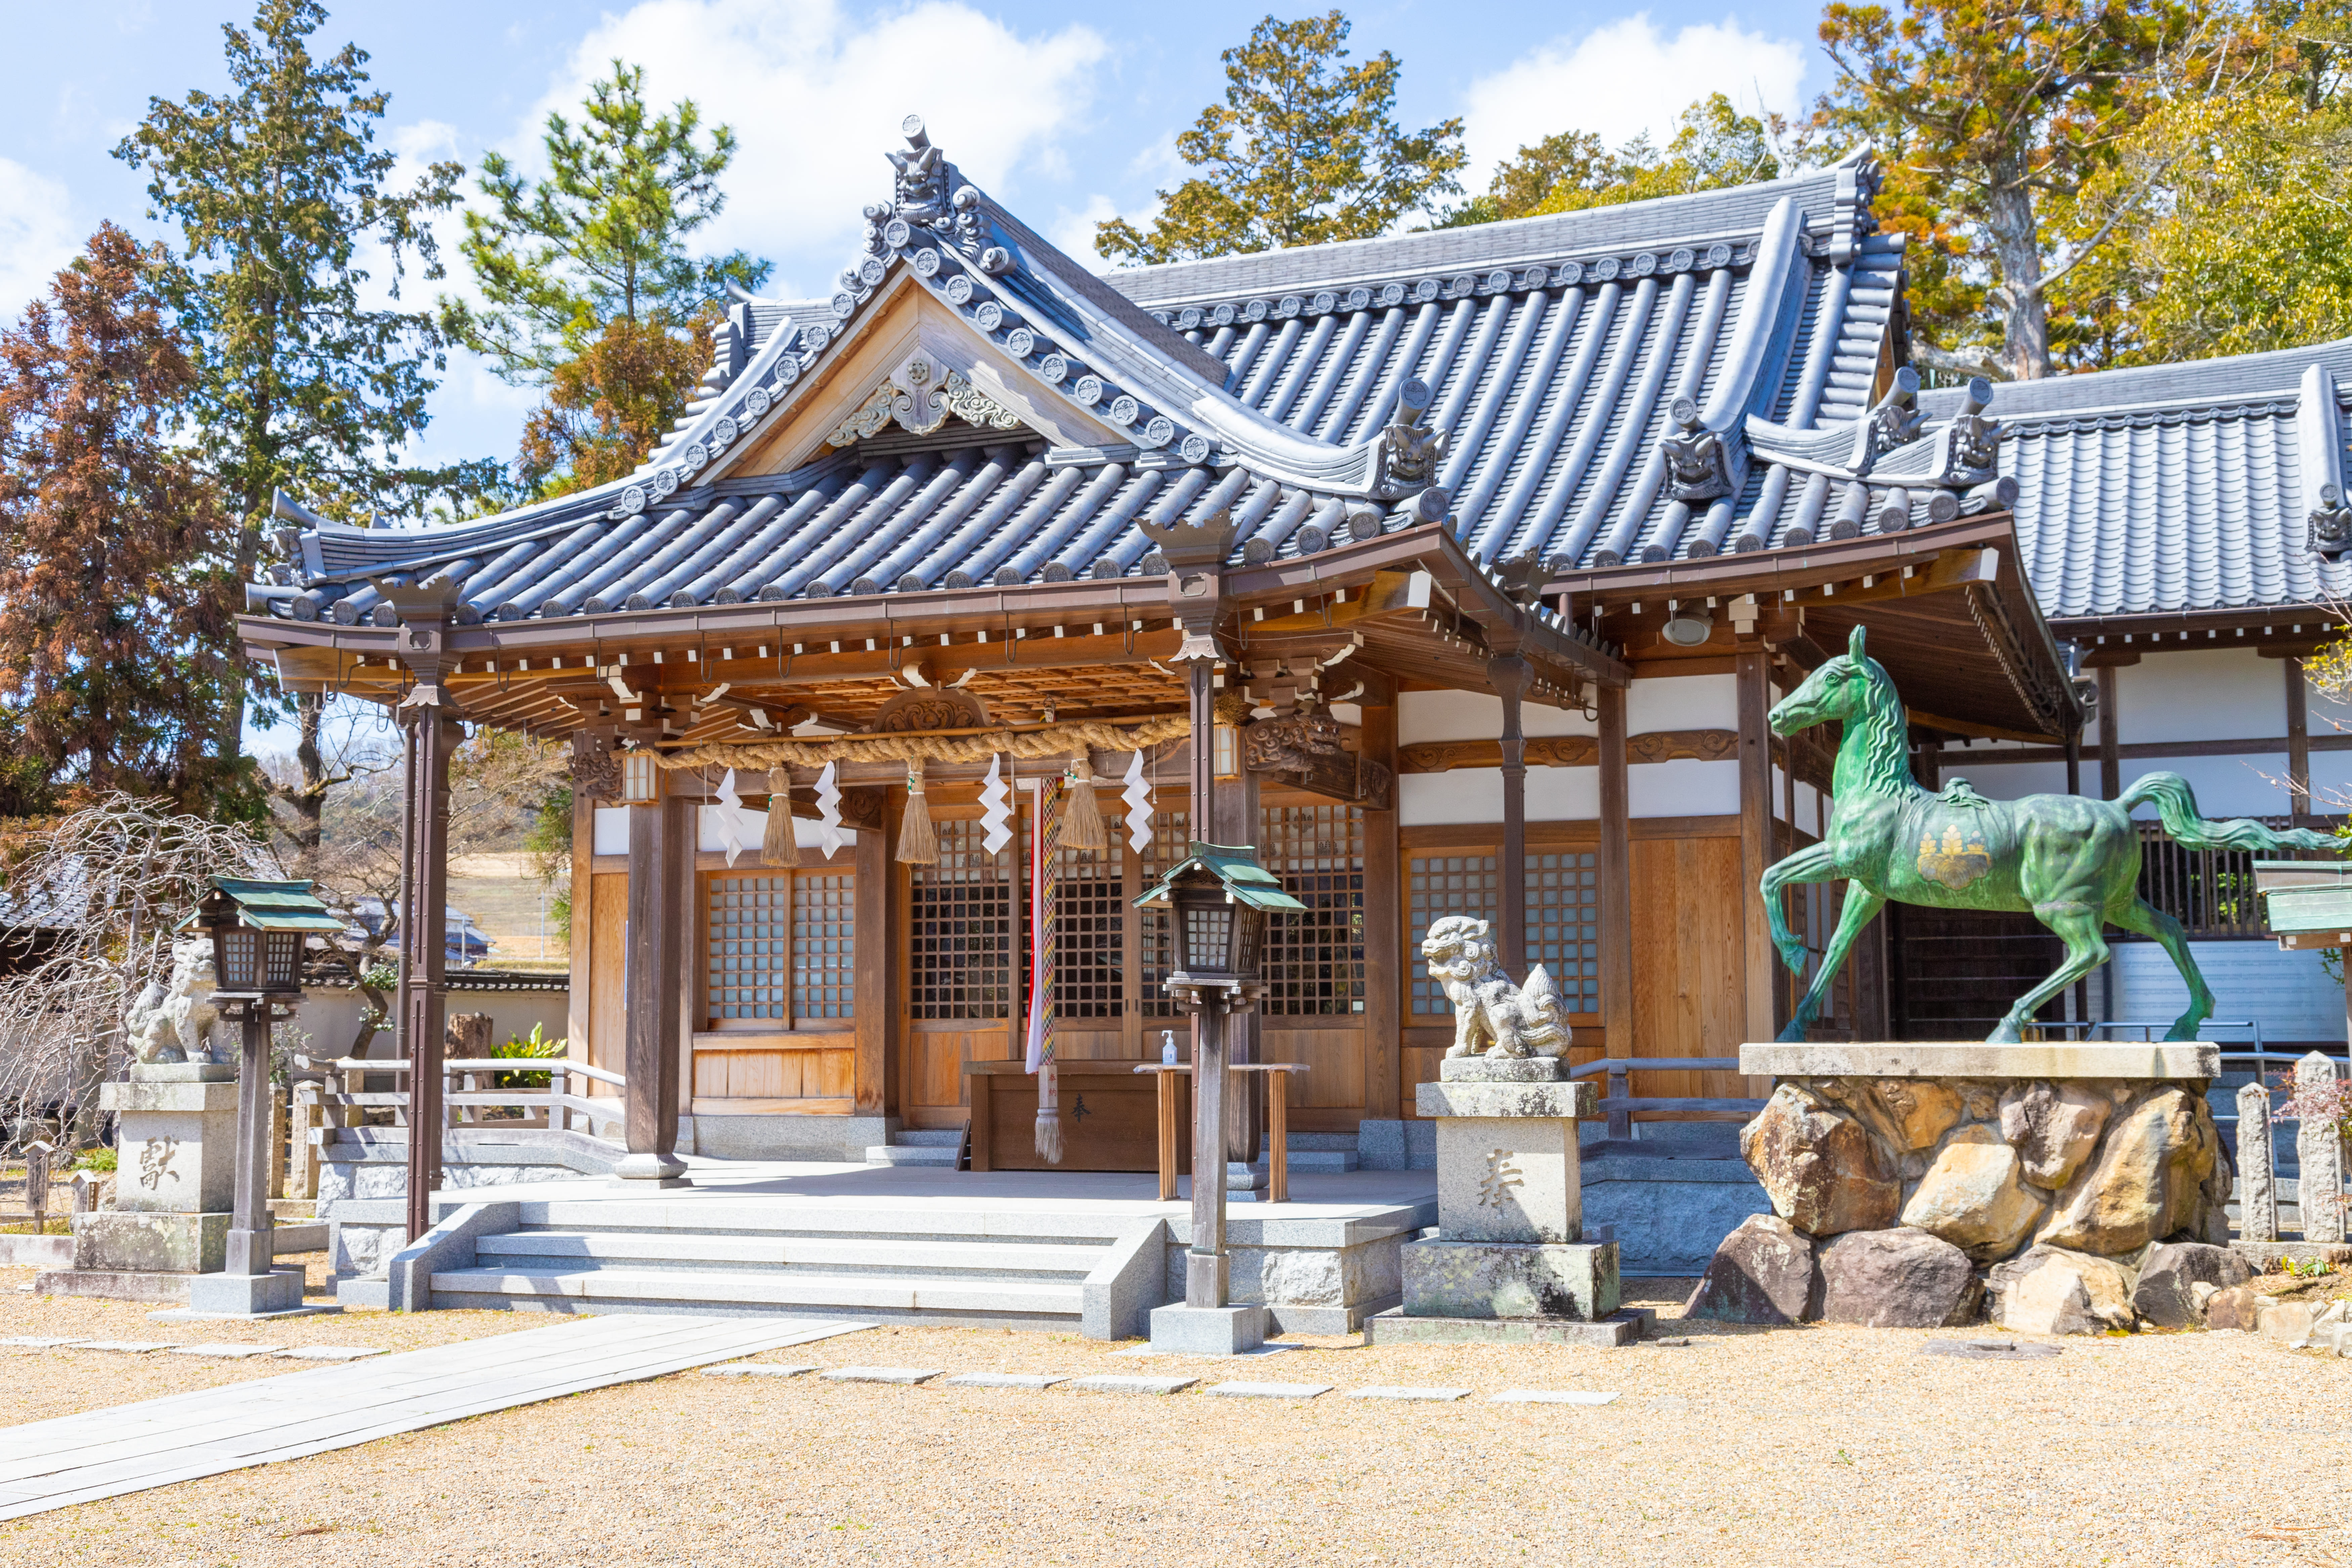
x=606 y=408
x=116 y=650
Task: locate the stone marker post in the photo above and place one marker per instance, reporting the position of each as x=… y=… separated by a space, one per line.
x=2319 y=1150
x=2257 y=1166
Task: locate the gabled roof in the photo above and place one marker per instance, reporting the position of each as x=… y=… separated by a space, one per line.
x=2187 y=489
x=1633 y=384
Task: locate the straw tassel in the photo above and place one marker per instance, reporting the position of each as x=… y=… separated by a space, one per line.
x=918 y=843
x=779 y=845
x=1049 y=1116
x=1082 y=823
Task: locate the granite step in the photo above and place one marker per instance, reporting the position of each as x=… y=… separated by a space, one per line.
x=1028 y=1303
x=701 y=1251
x=941 y=1157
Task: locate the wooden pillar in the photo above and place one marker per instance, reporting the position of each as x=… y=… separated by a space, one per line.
x=1760 y=963
x=1509 y=677
x=2110 y=766
x=2298 y=744
x=1206 y=1263
x=578 y=1011
x=661 y=839
x=429 y=720
x=1385 y=959
x=874 y=987
x=1616 y=899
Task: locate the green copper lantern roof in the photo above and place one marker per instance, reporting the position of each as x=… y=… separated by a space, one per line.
x=1246 y=881
x=268 y=906
x=2301 y=896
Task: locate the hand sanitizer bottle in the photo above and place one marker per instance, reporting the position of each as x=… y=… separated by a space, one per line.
x=1168 y=1047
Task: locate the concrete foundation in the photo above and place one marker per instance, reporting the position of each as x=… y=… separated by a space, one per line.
x=246 y=1295
x=1449 y=1278
x=1207 y=1330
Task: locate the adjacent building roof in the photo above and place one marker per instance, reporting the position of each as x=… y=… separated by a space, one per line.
x=1650 y=383
x=2181 y=490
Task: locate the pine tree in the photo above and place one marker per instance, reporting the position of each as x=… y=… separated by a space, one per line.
x=277 y=187
x=1714 y=146
x=116 y=619
x=591 y=292
x=1305 y=149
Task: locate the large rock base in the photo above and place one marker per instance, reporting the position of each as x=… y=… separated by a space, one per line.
x=1910 y=1183
x=1447 y=1279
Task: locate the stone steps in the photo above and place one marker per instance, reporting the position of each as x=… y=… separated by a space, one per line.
x=937 y=1147
x=530 y=1250
x=980 y=1301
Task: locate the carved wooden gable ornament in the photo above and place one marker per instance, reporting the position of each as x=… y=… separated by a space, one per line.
x=1307 y=751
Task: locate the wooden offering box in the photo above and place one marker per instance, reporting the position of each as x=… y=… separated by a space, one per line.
x=1110 y=1117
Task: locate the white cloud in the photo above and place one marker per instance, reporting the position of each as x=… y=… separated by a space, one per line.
x=38 y=235
x=1621 y=78
x=1073 y=233
x=815 y=92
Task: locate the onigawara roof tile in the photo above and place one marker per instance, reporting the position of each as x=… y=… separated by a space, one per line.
x=1655 y=382
x=2198 y=488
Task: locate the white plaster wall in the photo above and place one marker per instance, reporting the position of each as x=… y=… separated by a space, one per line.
x=1423 y=716
x=1475 y=795
x=1682 y=702
x=2331 y=780
x=1557 y=795
x=2227 y=694
x=2013 y=780
x=2288 y=993
x=1683 y=788
x=2225 y=786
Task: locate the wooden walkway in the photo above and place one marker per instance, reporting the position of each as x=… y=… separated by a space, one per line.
x=105 y=1453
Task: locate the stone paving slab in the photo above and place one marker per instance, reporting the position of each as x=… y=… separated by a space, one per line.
x=1005 y=1380
x=1548 y=1396
x=755 y=1369
x=225 y=1351
x=1447 y=1394
x=1131 y=1384
x=128 y=1347
x=47 y=1465
x=1267 y=1390
x=904 y=1375
x=331 y=1352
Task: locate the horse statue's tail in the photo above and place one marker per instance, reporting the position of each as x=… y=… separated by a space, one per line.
x=2176 y=804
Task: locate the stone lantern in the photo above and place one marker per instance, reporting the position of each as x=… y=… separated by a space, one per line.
x=1218 y=897
x=257 y=931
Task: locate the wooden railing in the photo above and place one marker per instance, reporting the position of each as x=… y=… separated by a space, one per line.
x=330 y=1093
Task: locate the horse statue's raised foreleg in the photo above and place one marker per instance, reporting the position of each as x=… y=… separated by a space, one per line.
x=1861 y=905
x=1814 y=863
x=2148 y=921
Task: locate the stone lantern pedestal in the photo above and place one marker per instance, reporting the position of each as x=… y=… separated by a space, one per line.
x=1510 y=1260
x=174 y=1187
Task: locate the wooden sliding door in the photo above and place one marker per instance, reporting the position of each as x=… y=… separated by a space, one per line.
x=776 y=1030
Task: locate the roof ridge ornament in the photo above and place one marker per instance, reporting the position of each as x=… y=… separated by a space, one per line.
x=1410 y=450
x=1893 y=422
x=1698 y=467
x=931 y=193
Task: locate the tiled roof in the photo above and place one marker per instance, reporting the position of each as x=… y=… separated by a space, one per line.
x=1612 y=387
x=2180 y=488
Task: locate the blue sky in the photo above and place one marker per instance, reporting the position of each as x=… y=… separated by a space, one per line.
x=1068 y=113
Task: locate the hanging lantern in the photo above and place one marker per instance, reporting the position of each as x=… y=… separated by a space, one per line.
x=257 y=930
x=1218 y=898
x=640 y=779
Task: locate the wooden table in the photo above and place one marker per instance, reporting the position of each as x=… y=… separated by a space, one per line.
x=1107 y=1117
x=1174 y=1145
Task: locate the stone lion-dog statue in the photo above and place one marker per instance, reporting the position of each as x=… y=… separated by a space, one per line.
x=1492 y=1016
x=175 y=1023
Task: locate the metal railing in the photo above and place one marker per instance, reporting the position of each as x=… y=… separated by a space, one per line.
x=1620 y=1105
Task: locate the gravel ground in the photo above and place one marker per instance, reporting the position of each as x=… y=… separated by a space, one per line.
x=1814 y=1446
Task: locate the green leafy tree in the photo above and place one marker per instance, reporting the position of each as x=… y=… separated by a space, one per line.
x=1714 y=147
x=1305 y=149
x=279 y=190
x=1988 y=114
x=2249 y=247
x=608 y=406
x=603 y=237
x=115 y=621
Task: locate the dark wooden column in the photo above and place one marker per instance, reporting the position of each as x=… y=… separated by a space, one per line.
x=876 y=991
x=1509 y=676
x=661 y=843
x=1385 y=959
x=2110 y=766
x=1235 y=815
x=1616 y=899
x=2298 y=744
x=1761 y=964
x=1204 y=1261
x=429 y=718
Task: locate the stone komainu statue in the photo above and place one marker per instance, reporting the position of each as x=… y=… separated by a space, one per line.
x=174 y=1024
x=1492 y=1016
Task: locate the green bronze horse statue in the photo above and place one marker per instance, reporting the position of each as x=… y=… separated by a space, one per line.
x=2073 y=861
